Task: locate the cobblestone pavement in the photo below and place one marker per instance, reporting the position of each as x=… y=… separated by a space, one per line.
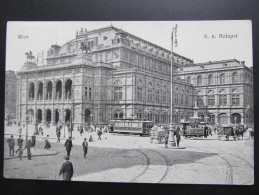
x=129 y=158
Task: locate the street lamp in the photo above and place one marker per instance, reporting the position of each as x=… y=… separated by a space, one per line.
x=171 y=140
x=27 y=114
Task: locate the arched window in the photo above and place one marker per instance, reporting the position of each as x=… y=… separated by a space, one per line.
x=188 y=79
x=199 y=80
x=234 y=77
x=210 y=79
x=222 y=79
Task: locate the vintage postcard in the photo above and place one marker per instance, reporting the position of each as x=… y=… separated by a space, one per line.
x=135 y=102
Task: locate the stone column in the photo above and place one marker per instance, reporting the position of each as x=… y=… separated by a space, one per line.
x=52 y=116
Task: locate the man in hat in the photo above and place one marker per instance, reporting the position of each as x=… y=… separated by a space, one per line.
x=19 y=143
x=28 y=147
x=85 y=147
x=68 y=145
x=11 y=144
x=67 y=170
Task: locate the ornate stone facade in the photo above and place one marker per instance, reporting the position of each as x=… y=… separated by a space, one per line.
x=101 y=75
x=107 y=74
x=223 y=89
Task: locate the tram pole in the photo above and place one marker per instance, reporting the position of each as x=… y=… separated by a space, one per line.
x=171 y=140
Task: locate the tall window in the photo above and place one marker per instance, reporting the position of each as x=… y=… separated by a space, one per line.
x=222 y=100
x=235 y=99
x=188 y=79
x=199 y=80
x=164 y=97
x=211 y=100
x=90 y=93
x=182 y=99
x=186 y=100
x=222 y=79
x=117 y=93
x=86 y=92
x=157 y=96
x=234 y=77
x=139 y=93
x=210 y=79
x=149 y=95
x=176 y=98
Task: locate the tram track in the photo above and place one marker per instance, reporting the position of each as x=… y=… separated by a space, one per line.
x=143 y=172
x=168 y=165
x=229 y=172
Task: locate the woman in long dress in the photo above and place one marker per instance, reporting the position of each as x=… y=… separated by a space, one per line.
x=47 y=144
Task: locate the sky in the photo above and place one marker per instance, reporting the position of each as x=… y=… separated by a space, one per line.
x=200 y=41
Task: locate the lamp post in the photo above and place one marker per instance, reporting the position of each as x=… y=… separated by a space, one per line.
x=171 y=140
x=27 y=114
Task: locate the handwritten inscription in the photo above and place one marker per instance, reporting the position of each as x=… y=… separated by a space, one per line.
x=23 y=37
x=220 y=36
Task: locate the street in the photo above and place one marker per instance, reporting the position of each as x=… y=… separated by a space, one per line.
x=131 y=158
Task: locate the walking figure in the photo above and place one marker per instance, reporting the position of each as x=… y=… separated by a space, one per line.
x=20 y=151
x=85 y=147
x=28 y=147
x=68 y=145
x=178 y=137
x=81 y=130
x=91 y=138
x=58 y=136
x=67 y=170
x=166 y=140
x=19 y=130
x=99 y=133
x=41 y=130
x=33 y=140
x=11 y=144
x=19 y=143
x=47 y=144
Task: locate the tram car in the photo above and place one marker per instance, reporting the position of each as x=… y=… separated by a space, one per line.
x=195 y=130
x=133 y=126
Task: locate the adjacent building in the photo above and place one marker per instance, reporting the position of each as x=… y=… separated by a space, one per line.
x=223 y=90
x=10 y=95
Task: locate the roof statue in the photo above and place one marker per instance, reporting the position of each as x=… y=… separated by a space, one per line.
x=29 y=56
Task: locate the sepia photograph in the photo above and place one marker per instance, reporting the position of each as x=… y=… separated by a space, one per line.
x=168 y=102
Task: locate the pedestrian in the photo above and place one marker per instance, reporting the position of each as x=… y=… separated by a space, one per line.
x=47 y=144
x=20 y=150
x=67 y=170
x=19 y=143
x=91 y=138
x=68 y=145
x=11 y=144
x=28 y=147
x=166 y=140
x=41 y=130
x=81 y=130
x=19 y=130
x=99 y=133
x=33 y=140
x=85 y=147
x=58 y=136
x=178 y=137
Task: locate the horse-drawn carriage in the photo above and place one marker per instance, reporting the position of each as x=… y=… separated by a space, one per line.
x=234 y=131
x=158 y=133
